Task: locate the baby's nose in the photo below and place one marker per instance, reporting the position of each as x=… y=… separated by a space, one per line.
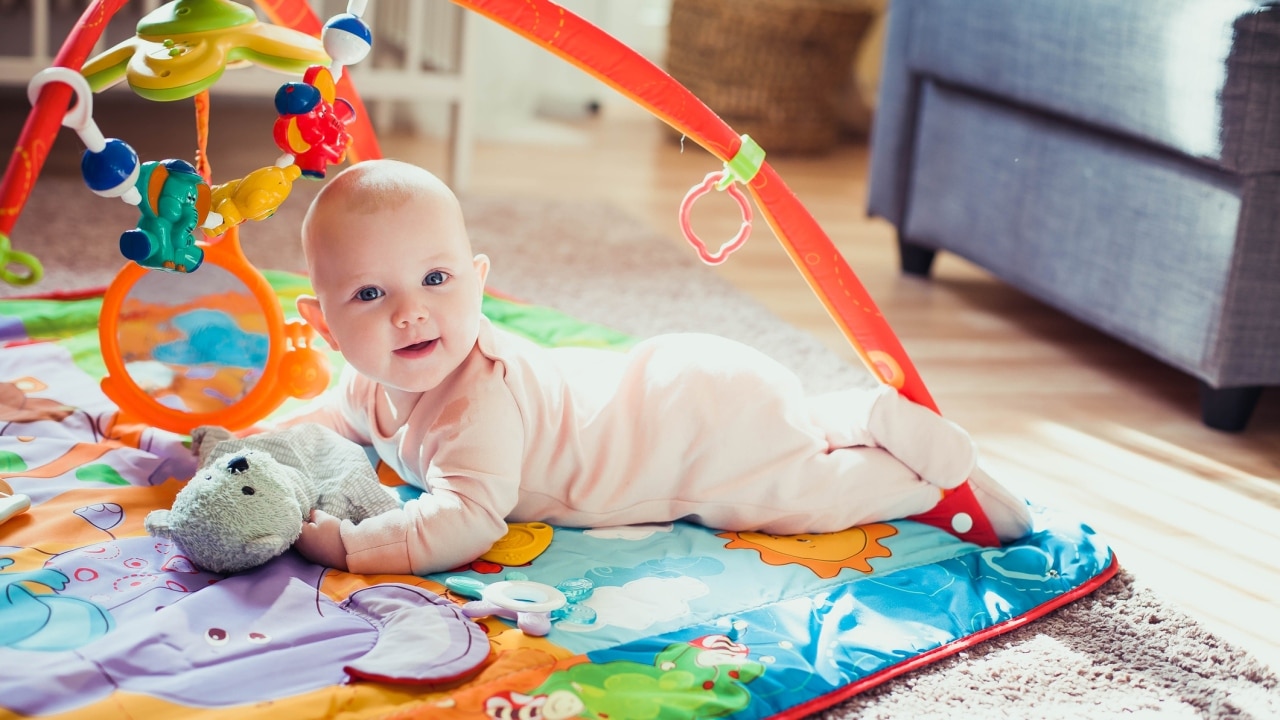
x=238 y=465
x=411 y=313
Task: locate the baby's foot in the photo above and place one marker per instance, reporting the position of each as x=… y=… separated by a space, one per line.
x=936 y=449
x=1009 y=515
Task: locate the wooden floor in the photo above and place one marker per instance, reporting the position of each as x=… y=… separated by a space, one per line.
x=1071 y=418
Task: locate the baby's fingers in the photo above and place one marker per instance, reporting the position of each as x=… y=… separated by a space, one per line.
x=321 y=542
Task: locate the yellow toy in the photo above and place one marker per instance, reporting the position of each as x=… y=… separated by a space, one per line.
x=522 y=543
x=256 y=196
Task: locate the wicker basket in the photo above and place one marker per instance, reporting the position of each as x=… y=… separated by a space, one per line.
x=772 y=69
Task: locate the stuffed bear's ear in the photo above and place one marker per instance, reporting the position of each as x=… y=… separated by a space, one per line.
x=205 y=439
x=157 y=524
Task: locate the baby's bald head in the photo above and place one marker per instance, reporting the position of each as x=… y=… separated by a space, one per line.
x=368 y=189
x=397 y=289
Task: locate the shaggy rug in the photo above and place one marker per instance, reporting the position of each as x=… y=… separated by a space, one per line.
x=1121 y=651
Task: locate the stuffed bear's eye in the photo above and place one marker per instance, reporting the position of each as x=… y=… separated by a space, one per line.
x=247 y=490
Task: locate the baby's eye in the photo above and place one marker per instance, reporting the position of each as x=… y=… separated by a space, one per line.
x=435 y=277
x=366 y=294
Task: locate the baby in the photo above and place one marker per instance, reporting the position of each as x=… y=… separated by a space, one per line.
x=497 y=428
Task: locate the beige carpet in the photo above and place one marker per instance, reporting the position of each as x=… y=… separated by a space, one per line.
x=1120 y=652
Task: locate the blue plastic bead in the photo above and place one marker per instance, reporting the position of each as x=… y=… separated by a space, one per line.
x=576 y=589
x=347 y=39
x=352 y=25
x=296 y=98
x=110 y=170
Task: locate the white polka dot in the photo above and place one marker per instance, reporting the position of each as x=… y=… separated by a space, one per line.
x=961 y=522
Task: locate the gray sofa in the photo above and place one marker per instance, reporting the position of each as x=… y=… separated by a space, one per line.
x=1117 y=159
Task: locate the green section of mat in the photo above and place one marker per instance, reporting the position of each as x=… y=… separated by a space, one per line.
x=74 y=322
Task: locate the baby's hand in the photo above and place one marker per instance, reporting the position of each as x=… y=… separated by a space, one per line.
x=321 y=541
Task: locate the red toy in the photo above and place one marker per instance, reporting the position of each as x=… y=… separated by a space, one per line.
x=312 y=127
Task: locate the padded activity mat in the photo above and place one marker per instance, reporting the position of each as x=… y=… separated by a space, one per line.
x=100 y=620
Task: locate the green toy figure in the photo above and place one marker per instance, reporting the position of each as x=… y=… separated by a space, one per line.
x=175 y=201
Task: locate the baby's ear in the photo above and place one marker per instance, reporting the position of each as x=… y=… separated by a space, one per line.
x=157 y=524
x=309 y=309
x=481 y=263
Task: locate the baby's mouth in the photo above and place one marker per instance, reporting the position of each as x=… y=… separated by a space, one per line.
x=417 y=349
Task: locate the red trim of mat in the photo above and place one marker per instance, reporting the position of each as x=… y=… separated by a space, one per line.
x=942 y=651
x=62 y=294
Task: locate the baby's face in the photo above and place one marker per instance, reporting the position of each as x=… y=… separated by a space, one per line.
x=399 y=289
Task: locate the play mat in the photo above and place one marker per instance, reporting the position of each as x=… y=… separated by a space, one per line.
x=99 y=620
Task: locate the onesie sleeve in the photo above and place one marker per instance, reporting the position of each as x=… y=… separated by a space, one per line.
x=472 y=454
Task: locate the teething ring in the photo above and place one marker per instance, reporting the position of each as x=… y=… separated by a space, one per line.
x=686 y=209
x=16 y=267
x=524 y=596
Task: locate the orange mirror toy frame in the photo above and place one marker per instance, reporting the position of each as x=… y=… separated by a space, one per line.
x=293 y=368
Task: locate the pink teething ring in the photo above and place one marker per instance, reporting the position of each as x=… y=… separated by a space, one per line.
x=686 y=209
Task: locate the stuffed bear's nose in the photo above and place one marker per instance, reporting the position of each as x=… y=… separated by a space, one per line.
x=238 y=465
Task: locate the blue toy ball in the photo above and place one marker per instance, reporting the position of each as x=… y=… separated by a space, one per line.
x=347 y=39
x=296 y=98
x=111 y=172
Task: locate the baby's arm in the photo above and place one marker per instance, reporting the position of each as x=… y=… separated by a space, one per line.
x=441 y=530
x=472 y=467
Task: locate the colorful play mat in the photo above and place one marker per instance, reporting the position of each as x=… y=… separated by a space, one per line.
x=99 y=620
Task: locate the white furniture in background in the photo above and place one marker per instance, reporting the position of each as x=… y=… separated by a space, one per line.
x=420 y=57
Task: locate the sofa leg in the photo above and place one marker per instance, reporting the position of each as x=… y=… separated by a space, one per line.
x=916 y=259
x=1227 y=409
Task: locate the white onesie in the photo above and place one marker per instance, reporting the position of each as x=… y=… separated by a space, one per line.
x=683 y=426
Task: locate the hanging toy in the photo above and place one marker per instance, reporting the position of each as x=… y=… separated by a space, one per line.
x=312 y=127
x=176 y=202
x=256 y=196
x=347 y=39
x=109 y=166
x=176 y=197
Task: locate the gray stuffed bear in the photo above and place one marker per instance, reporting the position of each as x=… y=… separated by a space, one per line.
x=249 y=499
